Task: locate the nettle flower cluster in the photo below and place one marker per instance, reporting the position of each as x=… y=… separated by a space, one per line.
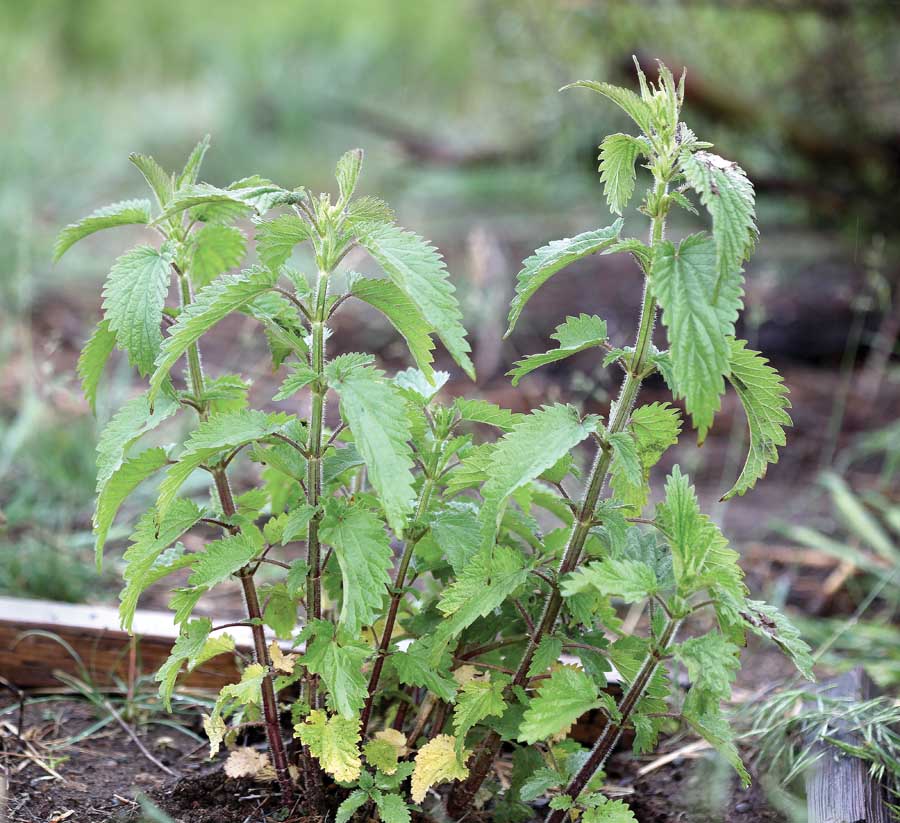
x=434 y=596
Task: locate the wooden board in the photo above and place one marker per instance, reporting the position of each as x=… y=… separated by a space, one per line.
x=94 y=633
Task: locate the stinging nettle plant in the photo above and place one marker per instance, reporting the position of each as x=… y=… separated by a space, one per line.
x=441 y=579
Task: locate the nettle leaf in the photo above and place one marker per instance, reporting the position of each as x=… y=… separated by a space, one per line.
x=133 y=301
x=704 y=715
x=437 y=762
x=559 y=702
x=475 y=410
x=384 y=751
x=347 y=174
x=456 y=531
x=636 y=108
x=416 y=666
x=191 y=168
x=684 y=281
x=334 y=742
x=712 y=662
x=92 y=360
x=618 y=154
x=515 y=461
x=214 y=435
x=728 y=195
x=477 y=699
x=300 y=377
x=275 y=239
x=626 y=460
x=127 y=212
x=149 y=541
x=222 y=558
x=575 y=335
x=367 y=210
x=632 y=580
x=216 y=249
x=194 y=646
x=491 y=576
x=556 y=255
x=403 y=313
x=418 y=270
x=159 y=180
x=764 y=398
x=608 y=811
x=392 y=808
x=653 y=428
x=363 y=551
x=766 y=621
x=228 y=293
x=339 y=663
x=375 y=411
x=208 y=204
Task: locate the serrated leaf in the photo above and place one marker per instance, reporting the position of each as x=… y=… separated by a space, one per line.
x=618 y=154
x=149 y=540
x=133 y=301
x=712 y=663
x=575 y=335
x=219 y=432
x=275 y=239
x=609 y=811
x=436 y=763
x=300 y=377
x=334 y=742
x=296 y=524
x=354 y=801
x=208 y=204
x=546 y=655
x=347 y=174
x=280 y=613
x=222 y=558
x=404 y=315
x=556 y=255
x=764 y=397
x=728 y=196
x=383 y=752
x=417 y=269
x=416 y=666
x=363 y=551
x=375 y=411
x=194 y=646
x=367 y=210
x=767 y=621
x=477 y=699
x=216 y=249
x=159 y=180
x=636 y=108
x=631 y=580
x=475 y=410
x=245 y=762
x=559 y=702
x=515 y=461
x=417 y=387
x=626 y=460
x=228 y=293
x=340 y=666
x=684 y=282
x=456 y=530
x=704 y=715
x=127 y=212
x=392 y=808
x=92 y=361
x=191 y=168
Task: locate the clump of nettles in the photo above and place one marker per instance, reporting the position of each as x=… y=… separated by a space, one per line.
x=512 y=627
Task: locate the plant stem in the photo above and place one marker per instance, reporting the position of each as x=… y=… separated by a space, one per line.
x=226 y=499
x=612 y=731
x=461 y=797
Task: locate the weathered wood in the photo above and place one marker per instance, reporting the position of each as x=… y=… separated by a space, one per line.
x=94 y=633
x=838 y=787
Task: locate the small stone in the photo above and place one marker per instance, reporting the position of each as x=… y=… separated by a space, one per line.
x=743 y=806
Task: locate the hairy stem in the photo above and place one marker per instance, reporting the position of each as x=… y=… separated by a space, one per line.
x=612 y=731
x=461 y=797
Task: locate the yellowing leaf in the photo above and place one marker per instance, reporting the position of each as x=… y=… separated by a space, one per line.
x=215 y=729
x=245 y=762
x=334 y=742
x=436 y=763
x=281 y=661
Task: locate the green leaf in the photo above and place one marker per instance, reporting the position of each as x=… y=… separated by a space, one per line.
x=416 y=667
x=296 y=524
x=609 y=811
x=275 y=239
x=228 y=293
x=340 y=666
x=221 y=559
x=127 y=212
x=149 y=541
x=618 y=154
x=477 y=699
x=355 y=800
x=559 y=702
x=728 y=196
x=704 y=715
x=123 y=481
x=159 y=180
x=491 y=576
x=403 y=313
x=546 y=655
x=418 y=270
x=416 y=385
x=375 y=411
x=632 y=580
x=194 y=646
x=654 y=428
x=636 y=108
x=556 y=255
x=191 y=168
x=366 y=211
x=334 y=742
x=766 y=621
x=280 y=613
x=626 y=460
x=347 y=174
x=475 y=410
x=456 y=531
x=222 y=431
x=363 y=551
x=133 y=301
x=216 y=249
x=515 y=461
x=684 y=281
x=538 y=783
x=300 y=377
x=92 y=360
x=712 y=663
x=575 y=335
x=764 y=398
x=207 y=204
x=392 y=808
